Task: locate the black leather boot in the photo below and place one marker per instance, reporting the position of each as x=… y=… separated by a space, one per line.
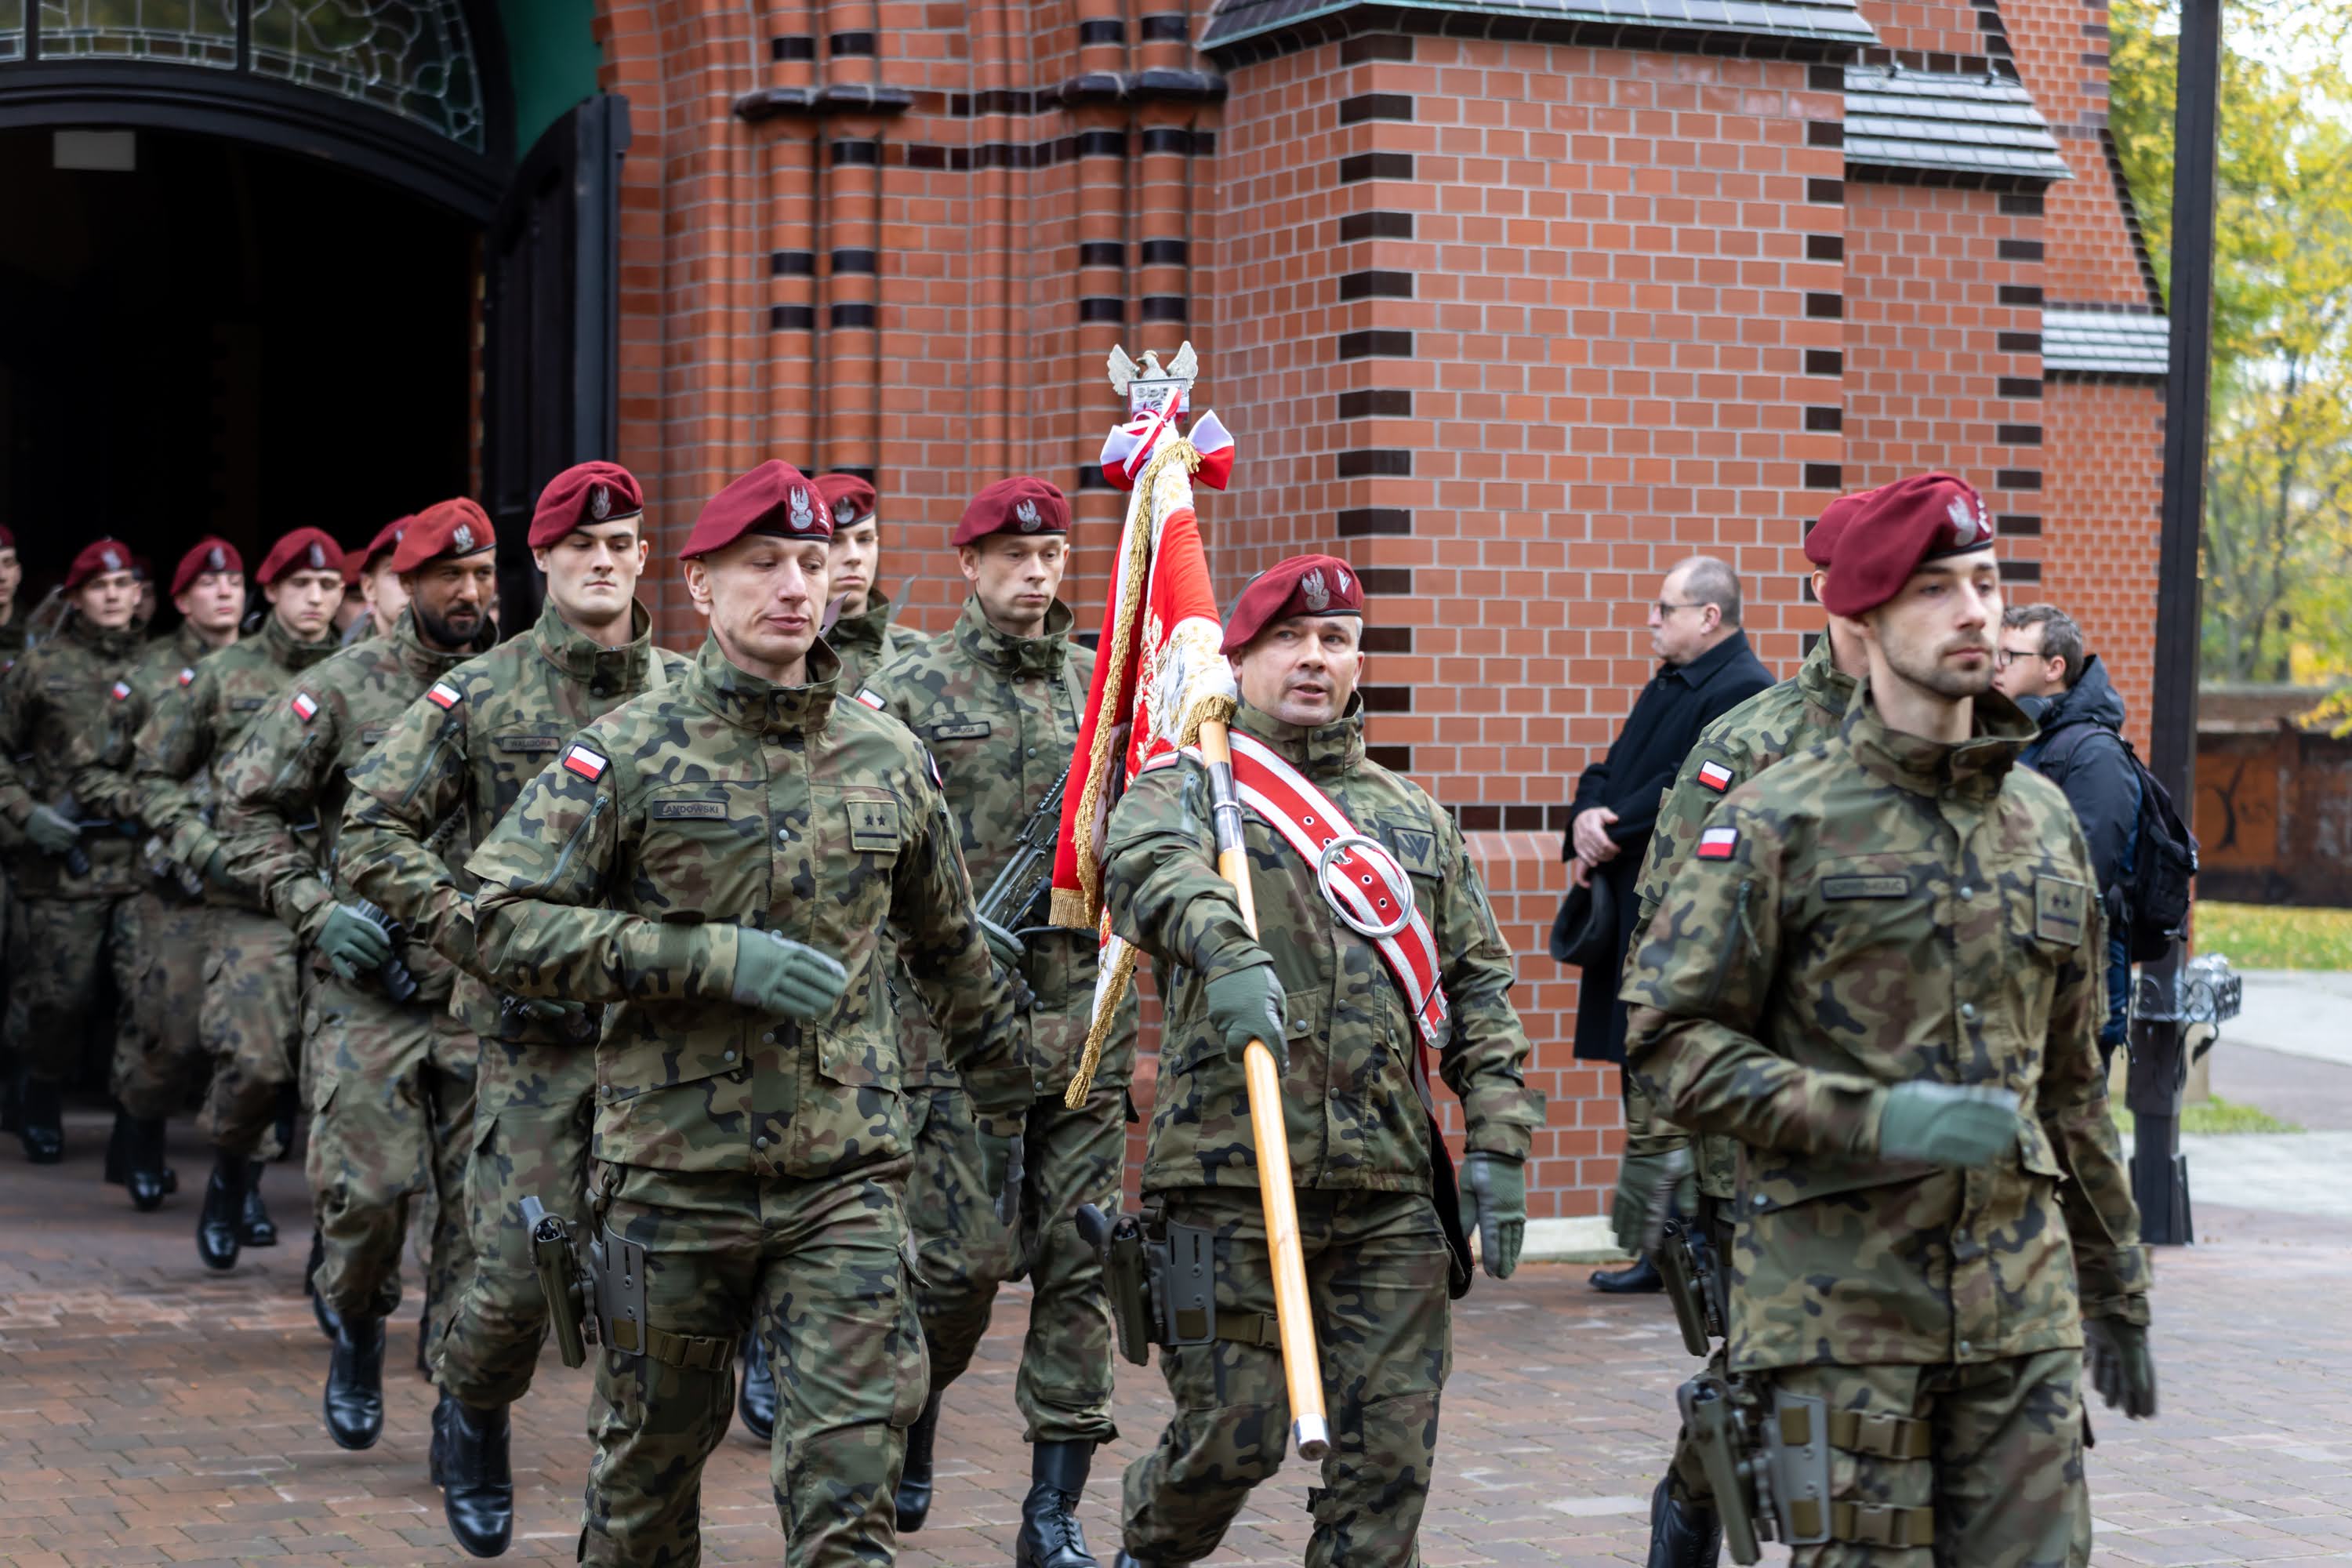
x=914 y=1499
x=755 y=1399
x=40 y=1122
x=254 y=1222
x=1050 y=1536
x=469 y=1466
x=319 y=1308
x=1641 y=1279
x=289 y=1102
x=217 y=1223
x=1683 y=1533
x=354 y=1402
x=144 y=1174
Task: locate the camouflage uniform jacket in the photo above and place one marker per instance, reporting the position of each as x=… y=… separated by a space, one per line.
x=627 y=870
x=60 y=727
x=865 y=642
x=1355 y=1116
x=195 y=725
x=16 y=637
x=459 y=757
x=1798 y=713
x=102 y=783
x=1879 y=910
x=292 y=770
x=1000 y=716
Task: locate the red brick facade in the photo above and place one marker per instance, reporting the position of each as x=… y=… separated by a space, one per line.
x=1514 y=325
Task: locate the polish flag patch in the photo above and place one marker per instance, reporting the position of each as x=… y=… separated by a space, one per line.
x=1717 y=843
x=869 y=699
x=585 y=762
x=123 y=691
x=444 y=696
x=1715 y=776
x=187 y=676
x=306 y=707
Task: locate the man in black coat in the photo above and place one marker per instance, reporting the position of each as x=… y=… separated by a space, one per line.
x=1708 y=670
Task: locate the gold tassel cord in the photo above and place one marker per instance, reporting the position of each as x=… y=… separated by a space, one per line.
x=1122 y=975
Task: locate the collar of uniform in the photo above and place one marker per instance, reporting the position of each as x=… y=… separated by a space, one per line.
x=1974 y=767
x=1825 y=686
x=428 y=665
x=747 y=701
x=607 y=671
x=1040 y=655
x=291 y=654
x=1324 y=751
x=866 y=628
x=188 y=643
x=115 y=642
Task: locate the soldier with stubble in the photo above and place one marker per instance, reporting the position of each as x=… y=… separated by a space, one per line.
x=860 y=629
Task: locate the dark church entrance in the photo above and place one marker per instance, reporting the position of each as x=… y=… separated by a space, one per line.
x=221 y=338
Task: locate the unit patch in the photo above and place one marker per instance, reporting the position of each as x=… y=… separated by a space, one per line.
x=2058 y=908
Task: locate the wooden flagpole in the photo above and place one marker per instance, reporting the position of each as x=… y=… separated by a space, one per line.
x=1302 y=1366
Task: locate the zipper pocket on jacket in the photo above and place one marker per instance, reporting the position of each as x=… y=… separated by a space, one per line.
x=1723 y=961
x=440 y=743
x=595 y=810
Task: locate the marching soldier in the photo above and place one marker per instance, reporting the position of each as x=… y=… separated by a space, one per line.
x=158 y=1054
x=75 y=875
x=391 y=1097
x=1879 y=972
x=246 y=1016
x=860 y=632
x=459 y=757
x=1383 y=1244
x=13 y=637
x=1660 y=1159
x=996 y=699
x=717 y=860
x=381 y=586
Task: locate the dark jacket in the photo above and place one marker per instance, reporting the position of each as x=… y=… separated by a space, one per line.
x=2081 y=750
x=1679 y=702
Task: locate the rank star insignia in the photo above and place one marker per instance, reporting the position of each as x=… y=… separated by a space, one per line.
x=1315 y=591
x=600 y=502
x=588 y=764
x=1717 y=843
x=463 y=540
x=1714 y=776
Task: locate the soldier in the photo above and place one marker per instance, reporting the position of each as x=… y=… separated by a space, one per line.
x=458 y=759
x=1879 y=970
x=392 y=1079
x=1786 y=719
x=859 y=630
x=996 y=699
x=718 y=861
x=13 y=642
x=381 y=586
x=158 y=1058
x=13 y=639
x=1375 y=1196
x=246 y=1018
x=76 y=874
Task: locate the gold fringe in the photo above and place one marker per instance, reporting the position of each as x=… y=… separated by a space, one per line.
x=1081 y=1082
x=1208 y=710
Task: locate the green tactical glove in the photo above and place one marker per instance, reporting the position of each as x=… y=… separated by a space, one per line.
x=2116 y=1354
x=1494 y=1204
x=1247 y=1005
x=352 y=944
x=215 y=870
x=1002 y=945
x=1947 y=1124
x=51 y=831
x=775 y=975
x=1001 y=1163
x=1646 y=1185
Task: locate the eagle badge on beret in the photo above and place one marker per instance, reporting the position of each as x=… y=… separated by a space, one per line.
x=318 y=557
x=1025 y=514
x=803 y=514
x=599 y=501
x=113 y=562
x=1315 y=591
x=1968 y=527
x=462 y=540
x=215 y=561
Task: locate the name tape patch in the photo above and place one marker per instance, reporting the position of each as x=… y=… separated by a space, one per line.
x=1715 y=776
x=1717 y=843
x=444 y=695
x=1890 y=886
x=585 y=762
x=529 y=742
x=689 y=811
x=961 y=730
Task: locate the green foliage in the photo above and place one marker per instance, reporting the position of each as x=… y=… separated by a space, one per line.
x=2264 y=936
x=2217 y=1115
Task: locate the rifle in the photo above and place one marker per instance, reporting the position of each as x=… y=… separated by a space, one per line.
x=1008 y=910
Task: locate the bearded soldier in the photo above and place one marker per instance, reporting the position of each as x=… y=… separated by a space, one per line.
x=1376 y=1200
x=1879 y=970
x=158 y=1054
x=246 y=1018
x=391 y=1097
x=859 y=630
x=461 y=754
x=997 y=698
x=718 y=861
x=76 y=875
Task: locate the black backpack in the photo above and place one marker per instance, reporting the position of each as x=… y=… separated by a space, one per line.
x=2164 y=862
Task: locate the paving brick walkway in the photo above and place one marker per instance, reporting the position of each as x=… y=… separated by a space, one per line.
x=152 y=1414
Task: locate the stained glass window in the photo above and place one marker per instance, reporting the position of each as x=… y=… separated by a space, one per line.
x=185 y=32
x=12 y=30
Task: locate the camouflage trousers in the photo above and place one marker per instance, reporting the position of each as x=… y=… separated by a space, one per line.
x=392 y=1111
x=2004 y=1472
x=962 y=1254
x=159 y=1056
x=532 y=1109
x=1376 y=1272
x=820 y=1266
x=56 y=947
x=251 y=1025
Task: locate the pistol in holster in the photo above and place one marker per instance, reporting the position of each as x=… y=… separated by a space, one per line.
x=1685 y=1263
x=1163 y=1282
x=1766 y=1452
x=563 y=1280
x=1118 y=1240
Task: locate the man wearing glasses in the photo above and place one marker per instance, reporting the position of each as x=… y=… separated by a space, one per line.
x=1707 y=669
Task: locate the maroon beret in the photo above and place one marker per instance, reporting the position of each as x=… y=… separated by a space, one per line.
x=1890 y=531
x=1302 y=585
x=775 y=498
x=585 y=493
x=1018 y=505
x=444 y=530
x=98 y=557
x=7 y=540
x=386 y=540
x=210 y=554
x=1820 y=540
x=850 y=497
x=303 y=550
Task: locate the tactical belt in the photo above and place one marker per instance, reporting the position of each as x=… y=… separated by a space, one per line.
x=695 y=1353
x=1880 y=1437
x=1239 y=1328
x=1873 y=1524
